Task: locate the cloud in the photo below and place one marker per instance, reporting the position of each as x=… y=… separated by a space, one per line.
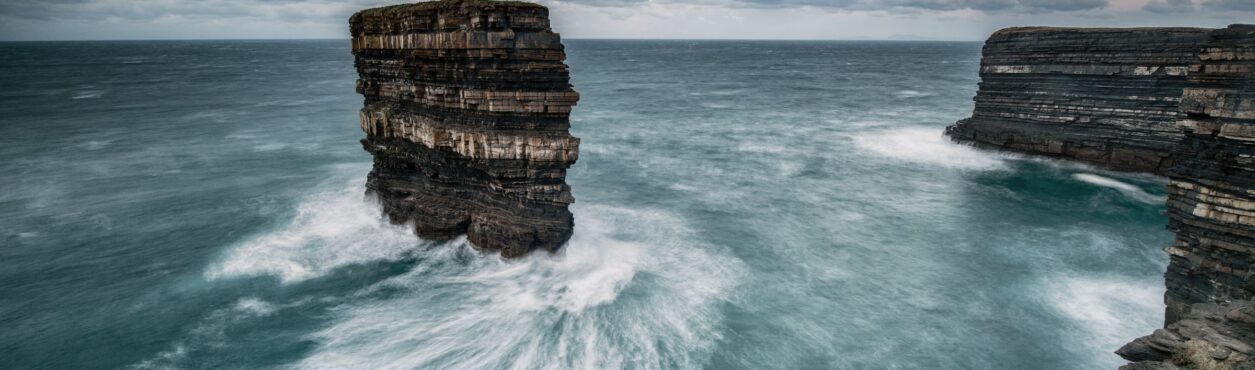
x=718 y=19
x=1169 y=6
x=284 y=10
x=1230 y=5
x=324 y=10
x=896 y=6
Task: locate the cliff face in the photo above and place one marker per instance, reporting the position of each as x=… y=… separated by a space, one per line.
x=1211 y=208
x=1211 y=202
x=466 y=115
x=1102 y=96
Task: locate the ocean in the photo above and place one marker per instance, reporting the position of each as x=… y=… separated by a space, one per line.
x=739 y=204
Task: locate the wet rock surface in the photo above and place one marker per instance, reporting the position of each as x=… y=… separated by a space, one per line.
x=1104 y=96
x=467 y=106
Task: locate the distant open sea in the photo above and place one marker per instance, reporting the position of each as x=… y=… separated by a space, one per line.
x=740 y=204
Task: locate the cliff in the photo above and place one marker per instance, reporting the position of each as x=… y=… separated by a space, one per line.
x=466 y=114
x=1104 y=96
x=1211 y=208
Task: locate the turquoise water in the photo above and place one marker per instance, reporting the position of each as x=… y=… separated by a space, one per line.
x=762 y=204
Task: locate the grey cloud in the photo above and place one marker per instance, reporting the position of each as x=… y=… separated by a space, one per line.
x=1029 y=6
x=1169 y=6
x=1229 y=5
x=333 y=10
x=291 y=10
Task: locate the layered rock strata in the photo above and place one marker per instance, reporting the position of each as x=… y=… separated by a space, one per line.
x=1211 y=208
x=1104 y=96
x=467 y=116
x=1210 y=336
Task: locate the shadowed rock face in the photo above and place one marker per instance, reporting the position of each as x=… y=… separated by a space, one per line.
x=1178 y=102
x=1211 y=208
x=467 y=116
x=1211 y=201
x=1104 y=96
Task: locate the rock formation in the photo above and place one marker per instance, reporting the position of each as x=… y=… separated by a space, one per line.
x=1211 y=208
x=466 y=115
x=1173 y=101
x=1104 y=96
x=1211 y=336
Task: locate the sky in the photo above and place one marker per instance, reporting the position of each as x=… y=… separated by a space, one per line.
x=967 y=20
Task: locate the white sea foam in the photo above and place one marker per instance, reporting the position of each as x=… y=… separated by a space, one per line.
x=255 y=306
x=927 y=146
x=210 y=331
x=329 y=230
x=1129 y=190
x=545 y=311
x=906 y=94
x=1110 y=311
x=761 y=147
x=87 y=94
x=96 y=144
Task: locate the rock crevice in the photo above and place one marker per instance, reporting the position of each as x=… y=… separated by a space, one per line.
x=467 y=106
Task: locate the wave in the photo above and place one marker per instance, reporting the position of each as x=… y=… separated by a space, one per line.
x=1129 y=190
x=1109 y=311
x=926 y=145
x=87 y=94
x=631 y=288
x=330 y=230
x=209 y=332
x=907 y=94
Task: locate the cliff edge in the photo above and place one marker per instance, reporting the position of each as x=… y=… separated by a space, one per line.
x=1104 y=96
x=466 y=114
x=1210 y=318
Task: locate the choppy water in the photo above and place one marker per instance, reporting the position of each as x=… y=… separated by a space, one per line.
x=739 y=205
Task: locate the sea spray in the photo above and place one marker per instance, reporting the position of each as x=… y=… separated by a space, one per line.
x=630 y=289
x=926 y=146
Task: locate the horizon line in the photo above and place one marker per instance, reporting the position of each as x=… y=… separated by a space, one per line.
x=564 y=38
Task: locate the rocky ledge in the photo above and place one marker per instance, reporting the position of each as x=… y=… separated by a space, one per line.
x=467 y=116
x=1211 y=208
x=1104 y=96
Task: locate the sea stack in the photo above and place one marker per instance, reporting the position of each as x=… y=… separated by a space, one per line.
x=1103 y=96
x=1210 y=319
x=467 y=115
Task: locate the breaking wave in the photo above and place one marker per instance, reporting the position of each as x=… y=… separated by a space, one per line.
x=631 y=289
x=329 y=230
x=1129 y=190
x=87 y=94
x=1109 y=312
x=927 y=146
x=907 y=94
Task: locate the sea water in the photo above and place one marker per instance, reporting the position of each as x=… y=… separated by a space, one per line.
x=740 y=204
